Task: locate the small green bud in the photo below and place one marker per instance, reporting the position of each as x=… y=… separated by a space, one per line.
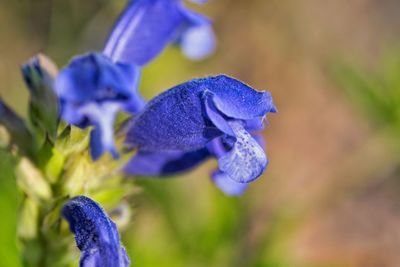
x=31 y=181
x=39 y=74
x=28 y=223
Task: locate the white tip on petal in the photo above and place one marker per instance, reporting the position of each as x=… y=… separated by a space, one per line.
x=198 y=42
x=227 y=185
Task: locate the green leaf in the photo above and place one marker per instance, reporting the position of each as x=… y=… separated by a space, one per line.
x=9 y=253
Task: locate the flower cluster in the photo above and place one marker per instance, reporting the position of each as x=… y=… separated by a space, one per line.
x=212 y=117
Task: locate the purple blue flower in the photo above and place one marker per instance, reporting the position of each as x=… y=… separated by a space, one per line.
x=96 y=235
x=92 y=89
x=146 y=27
x=204 y=117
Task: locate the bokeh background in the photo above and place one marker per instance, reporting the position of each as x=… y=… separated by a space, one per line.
x=330 y=196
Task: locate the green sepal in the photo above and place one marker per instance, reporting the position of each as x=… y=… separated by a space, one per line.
x=51 y=161
x=73 y=140
x=31 y=181
x=76 y=176
x=52 y=220
x=28 y=222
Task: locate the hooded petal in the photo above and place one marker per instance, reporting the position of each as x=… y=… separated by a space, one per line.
x=94 y=77
x=228 y=185
x=164 y=163
x=184 y=118
x=95 y=234
x=174 y=120
x=238 y=100
x=246 y=161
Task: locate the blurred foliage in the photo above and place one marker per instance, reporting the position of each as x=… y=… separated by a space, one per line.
x=375 y=92
x=9 y=253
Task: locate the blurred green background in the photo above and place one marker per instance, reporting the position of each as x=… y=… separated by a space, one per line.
x=330 y=196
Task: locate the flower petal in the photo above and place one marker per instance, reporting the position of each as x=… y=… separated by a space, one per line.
x=143 y=30
x=227 y=185
x=94 y=77
x=133 y=74
x=238 y=100
x=254 y=125
x=174 y=120
x=95 y=234
x=246 y=161
x=164 y=163
x=214 y=115
x=183 y=118
x=102 y=137
x=71 y=113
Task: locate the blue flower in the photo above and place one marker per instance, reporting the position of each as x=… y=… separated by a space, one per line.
x=195 y=120
x=95 y=234
x=146 y=27
x=92 y=89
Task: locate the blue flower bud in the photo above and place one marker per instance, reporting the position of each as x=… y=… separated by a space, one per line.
x=95 y=234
